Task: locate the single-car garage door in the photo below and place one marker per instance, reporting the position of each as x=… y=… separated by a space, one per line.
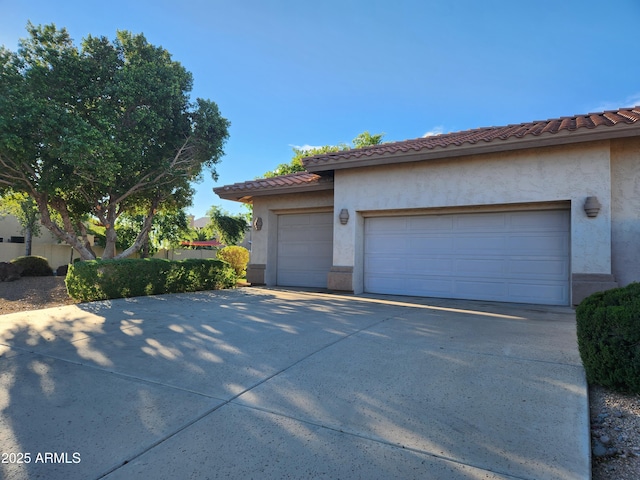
x=305 y=249
x=504 y=256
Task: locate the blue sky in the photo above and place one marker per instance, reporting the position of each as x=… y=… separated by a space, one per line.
x=288 y=72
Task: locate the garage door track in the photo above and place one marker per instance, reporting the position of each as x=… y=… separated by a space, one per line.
x=263 y=383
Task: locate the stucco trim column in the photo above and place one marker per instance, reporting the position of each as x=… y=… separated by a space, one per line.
x=340 y=278
x=255 y=273
x=585 y=284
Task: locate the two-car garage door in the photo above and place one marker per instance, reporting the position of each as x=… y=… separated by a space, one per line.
x=503 y=256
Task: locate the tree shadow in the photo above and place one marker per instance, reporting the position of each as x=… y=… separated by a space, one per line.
x=192 y=381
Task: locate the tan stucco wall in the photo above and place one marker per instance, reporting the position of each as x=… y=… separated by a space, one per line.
x=264 y=242
x=10 y=226
x=568 y=173
x=44 y=245
x=625 y=223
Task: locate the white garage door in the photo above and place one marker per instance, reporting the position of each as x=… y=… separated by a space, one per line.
x=305 y=249
x=505 y=256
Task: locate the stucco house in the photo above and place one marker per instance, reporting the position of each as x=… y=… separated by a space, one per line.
x=540 y=212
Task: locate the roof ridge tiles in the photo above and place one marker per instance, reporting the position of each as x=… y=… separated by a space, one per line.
x=552 y=126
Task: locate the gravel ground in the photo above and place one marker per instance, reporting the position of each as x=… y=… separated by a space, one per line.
x=33 y=293
x=615 y=418
x=615 y=435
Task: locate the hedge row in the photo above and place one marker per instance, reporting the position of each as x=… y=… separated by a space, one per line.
x=105 y=279
x=608 y=328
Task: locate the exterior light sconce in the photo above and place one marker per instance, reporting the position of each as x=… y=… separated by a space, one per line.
x=592 y=207
x=344 y=216
x=257 y=224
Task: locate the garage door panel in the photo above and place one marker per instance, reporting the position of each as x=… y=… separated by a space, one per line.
x=305 y=249
x=536 y=293
x=427 y=264
x=386 y=243
x=504 y=256
x=439 y=244
x=295 y=234
x=386 y=265
x=479 y=289
x=398 y=265
x=310 y=262
x=390 y=226
x=479 y=243
x=539 y=221
x=304 y=279
x=305 y=220
x=382 y=282
x=442 y=286
x=550 y=269
x=488 y=223
x=528 y=244
x=476 y=266
x=441 y=223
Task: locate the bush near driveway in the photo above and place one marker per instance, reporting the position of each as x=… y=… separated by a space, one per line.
x=608 y=328
x=237 y=257
x=105 y=279
x=33 y=266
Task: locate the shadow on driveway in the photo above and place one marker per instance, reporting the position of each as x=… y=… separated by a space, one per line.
x=268 y=383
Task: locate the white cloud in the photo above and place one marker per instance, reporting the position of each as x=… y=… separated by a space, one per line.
x=304 y=148
x=439 y=130
x=630 y=101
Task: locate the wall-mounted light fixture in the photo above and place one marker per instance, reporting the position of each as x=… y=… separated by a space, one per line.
x=344 y=216
x=257 y=224
x=592 y=207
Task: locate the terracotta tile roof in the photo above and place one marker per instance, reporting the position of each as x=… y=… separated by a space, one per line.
x=290 y=183
x=513 y=134
x=624 y=122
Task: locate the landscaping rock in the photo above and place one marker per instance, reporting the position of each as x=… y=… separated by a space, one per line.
x=62 y=270
x=9 y=272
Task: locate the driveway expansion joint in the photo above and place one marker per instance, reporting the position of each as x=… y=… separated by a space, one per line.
x=224 y=402
x=380 y=441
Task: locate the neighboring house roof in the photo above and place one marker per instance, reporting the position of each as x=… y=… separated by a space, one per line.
x=291 y=183
x=200 y=222
x=578 y=128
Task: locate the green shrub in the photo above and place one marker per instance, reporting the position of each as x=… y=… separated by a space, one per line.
x=34 y=266
x=608 y=328
x=237 y=257
x=104 y=279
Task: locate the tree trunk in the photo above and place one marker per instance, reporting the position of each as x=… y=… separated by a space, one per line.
x=144 y=251
x=28 y=241
x=110 y=245
x=66 y=237
x=144 y=232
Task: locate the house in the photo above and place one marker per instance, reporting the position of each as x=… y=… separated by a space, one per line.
x=543 y=212
x=12 y=243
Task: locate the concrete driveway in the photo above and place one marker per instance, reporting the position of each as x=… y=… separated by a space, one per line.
x=262 y=383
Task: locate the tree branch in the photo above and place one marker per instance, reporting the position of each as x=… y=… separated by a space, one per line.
x=153 y=182
x=144 y=232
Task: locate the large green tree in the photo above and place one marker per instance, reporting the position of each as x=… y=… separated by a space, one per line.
x=101 y=129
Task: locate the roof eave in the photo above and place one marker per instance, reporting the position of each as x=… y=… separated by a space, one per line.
x=246 y=196
x=496 y=145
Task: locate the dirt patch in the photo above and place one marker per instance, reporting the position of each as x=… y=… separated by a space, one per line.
x=33 y=293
